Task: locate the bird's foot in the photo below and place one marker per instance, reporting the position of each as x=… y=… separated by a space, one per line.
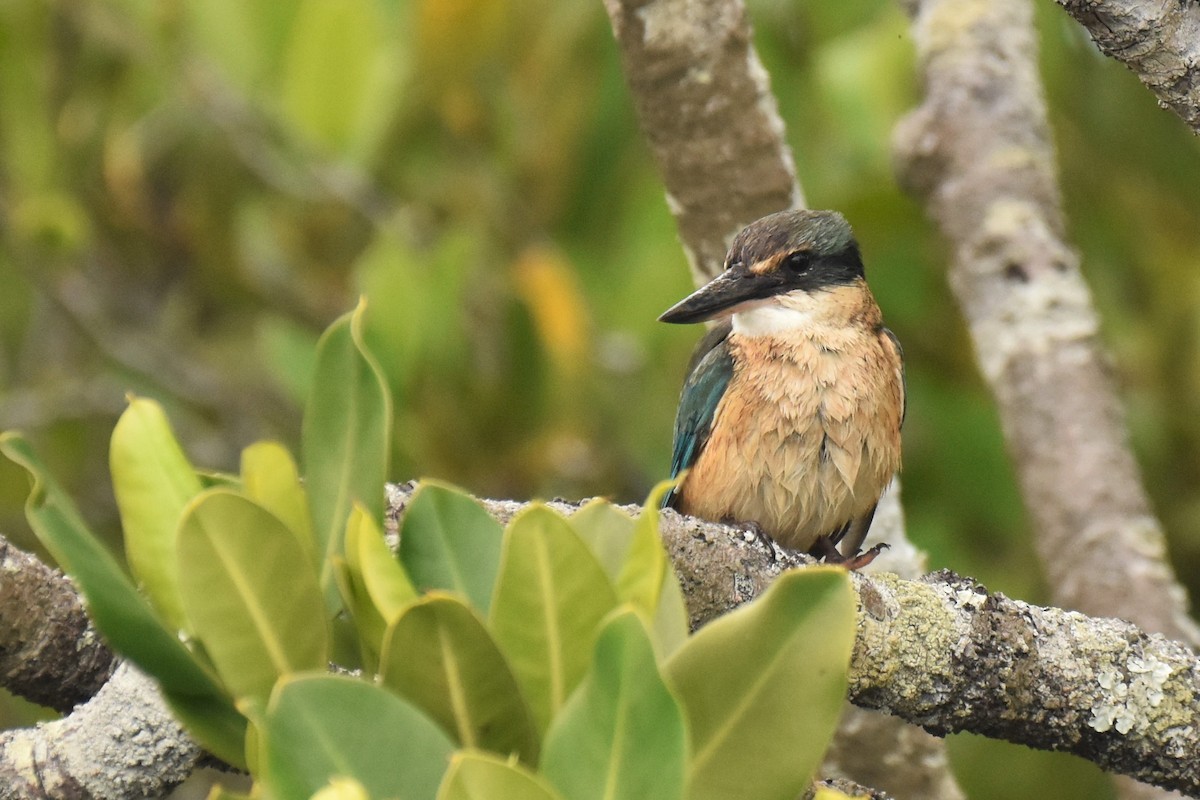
x=753 y=529
x=827 y=551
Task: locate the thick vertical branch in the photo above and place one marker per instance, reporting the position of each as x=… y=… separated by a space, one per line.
x=1159 y=40
x=706 y=108
x=978 y=151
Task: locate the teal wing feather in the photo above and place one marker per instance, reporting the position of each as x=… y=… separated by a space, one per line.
x=709 y=374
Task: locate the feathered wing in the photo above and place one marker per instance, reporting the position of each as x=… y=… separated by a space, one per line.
x=710 y=369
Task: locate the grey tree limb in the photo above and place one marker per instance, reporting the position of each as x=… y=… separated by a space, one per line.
x=50 y=653
x=706 y=109
x=978 y=152
x=943 y=653
x=1158 y=40
x=121 y=744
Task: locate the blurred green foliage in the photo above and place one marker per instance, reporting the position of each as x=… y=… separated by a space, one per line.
x=190 y=192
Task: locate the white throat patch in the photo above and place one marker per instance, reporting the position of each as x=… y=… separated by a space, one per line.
x=767 y=320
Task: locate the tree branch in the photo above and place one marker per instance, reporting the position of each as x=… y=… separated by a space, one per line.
x=49 y=651
x=978 y=152
x=706 y=109
x=123 y=743
x=944 y=654
x=1158 y=41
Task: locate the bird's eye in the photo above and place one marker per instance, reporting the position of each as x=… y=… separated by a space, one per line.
x=797 y=262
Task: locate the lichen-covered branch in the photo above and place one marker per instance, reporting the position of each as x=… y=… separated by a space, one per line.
x=978 y=151
x=123 y=743
x=944 y=654
x=706 y=109
x=49 y=652
x=1159 y=40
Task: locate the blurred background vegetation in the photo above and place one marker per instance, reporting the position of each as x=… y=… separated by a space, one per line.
x=190 y=192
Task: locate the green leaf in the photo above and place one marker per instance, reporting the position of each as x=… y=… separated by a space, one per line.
x=622 y=733
x=642 y=573
x=439 y=656
x=153 y=481
x=127 y=621
x=608 y=531
x=333 y=56
x=485 y=776
x=249 y=592
x=763 y=687
x=343 y=789
x=318 y=728
x=270 y=478
x=214 y=722
x=369 y=624
x=346 y=437
x=448 y=541
x=551 y=596
x=370 y=560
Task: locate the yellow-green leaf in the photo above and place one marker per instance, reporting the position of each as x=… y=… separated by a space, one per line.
x=271 y=479
x=439 y=656
x=763 y=687
x=153 y=481
x=385 y=580
x=641 y=577
x=486 y=776
x=127 y=621
x=551 y=596
x=249 y=593
x=346 y=437
x=322 y=727
x=449 y=541
x=622 y=733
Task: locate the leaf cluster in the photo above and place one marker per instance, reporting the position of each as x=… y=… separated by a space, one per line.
x=546 y=659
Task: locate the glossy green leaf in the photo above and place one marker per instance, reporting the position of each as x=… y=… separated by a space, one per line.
x=763 y=687
x=271 y=479
x=439 y=656
x=645 y=565
x=385 y=581
x=608 y=531
x=127 y=621
x=214 y=723
x=346 y=437
x=485 y=776
x=448 y=541
x=671 y=622
x=622 y=733
x=322 y=727
x=249 y=593
x=551 y=595
x=153 y=481
x=369 y=624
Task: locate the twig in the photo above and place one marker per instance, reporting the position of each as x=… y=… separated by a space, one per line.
x=1158 y=41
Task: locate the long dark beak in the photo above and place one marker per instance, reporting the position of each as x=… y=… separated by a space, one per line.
x=722 y=294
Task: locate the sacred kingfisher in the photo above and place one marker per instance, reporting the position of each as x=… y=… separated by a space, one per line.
x=790 y=415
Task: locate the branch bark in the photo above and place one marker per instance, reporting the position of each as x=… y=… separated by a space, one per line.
x=1158 y=41
x=123 y=743
x=706 y=109
x=945 y=654
x=50 y=653
x=978 y=152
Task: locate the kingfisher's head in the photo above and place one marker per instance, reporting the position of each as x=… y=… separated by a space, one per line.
x=779 y=271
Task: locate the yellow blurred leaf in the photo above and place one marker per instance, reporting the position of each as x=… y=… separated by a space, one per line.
x=546 y=283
